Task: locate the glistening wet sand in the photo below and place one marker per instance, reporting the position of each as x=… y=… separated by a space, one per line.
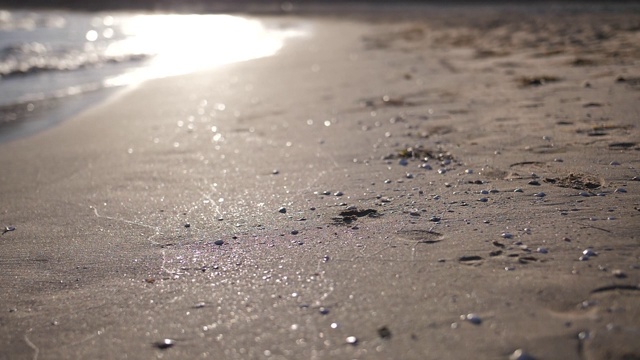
x=118 y=211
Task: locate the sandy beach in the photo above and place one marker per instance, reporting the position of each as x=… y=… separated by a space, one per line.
x=459 y=183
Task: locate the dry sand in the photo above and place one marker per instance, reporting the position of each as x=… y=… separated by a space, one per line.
x=102 y=263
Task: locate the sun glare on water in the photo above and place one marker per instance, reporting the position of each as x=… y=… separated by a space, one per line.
x=181 y=44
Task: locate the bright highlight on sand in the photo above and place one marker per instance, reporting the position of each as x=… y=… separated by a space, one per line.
x=183 y=44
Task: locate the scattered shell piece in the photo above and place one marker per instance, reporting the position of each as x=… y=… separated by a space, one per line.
x=7 y=229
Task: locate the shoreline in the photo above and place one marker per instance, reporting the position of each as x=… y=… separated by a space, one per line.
x=159 y=215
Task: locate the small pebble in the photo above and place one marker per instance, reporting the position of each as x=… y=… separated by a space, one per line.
x=540 y=194
x=164 y=344
x=294 y=232
x=484 y=192
x=584 y=193
x=442 y=171
x=218 y=242
x=558 y=160
x=387 y=181
x=434 y=219
x=275 y=172
x=468 y=171
x=520 y=355
x=534 y=182
x=619 y=274
x=282 y=210
x=426 y=166
x=484 y=199
x=414 y=213
x=620 y=190
x=187 y=225
x=589 y=253
x=323 y=311
x=338 y=193
x=542 y=250
x=472 y=318
x=518 y=190
x=506 y=235
x=352 y=340
x=614 y=163
x=409 y=176
x=403 y=162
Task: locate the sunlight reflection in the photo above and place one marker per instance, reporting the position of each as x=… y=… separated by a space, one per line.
x=182 y=44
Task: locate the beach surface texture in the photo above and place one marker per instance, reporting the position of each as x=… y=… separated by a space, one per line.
x=460 y=183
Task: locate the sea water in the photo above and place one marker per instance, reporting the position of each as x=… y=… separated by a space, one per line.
x=52 y=63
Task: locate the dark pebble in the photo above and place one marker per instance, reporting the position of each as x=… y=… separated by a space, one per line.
x=282 y=210
x=384 y=332
x=218 y=242
x=534 y=182
x=294 y=232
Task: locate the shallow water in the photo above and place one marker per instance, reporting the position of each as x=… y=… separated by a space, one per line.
x=48 y=57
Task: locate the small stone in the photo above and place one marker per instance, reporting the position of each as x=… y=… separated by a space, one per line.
x=484 y=192
x=352 y=340
x=520 y=355
x=187 y=225
x=589 y=253
x=620 y=191
x=414 y=213
x=218 y=242
x=282 y=210
x=384 y=332
x=468 y=171
x=275 y=172
x=294 y=232
x=387 y=181
x=542 y=250
x=534 y=182
x=584 y=193
x=403 y=162
x=326 y=192
x=409 y=176
x=442 y=171
x=472 y=318
x=506 y=235
x=614 y=163
x=484 y=199
x=199 y=305
x=518 y=190
x=619 y=274
x=164 y=344
x=426 y=166
x=323 y=311
x=434 y=219
x=540 y=194
x=338 y=193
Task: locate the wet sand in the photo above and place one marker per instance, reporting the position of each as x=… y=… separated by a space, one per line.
x=380 y=253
